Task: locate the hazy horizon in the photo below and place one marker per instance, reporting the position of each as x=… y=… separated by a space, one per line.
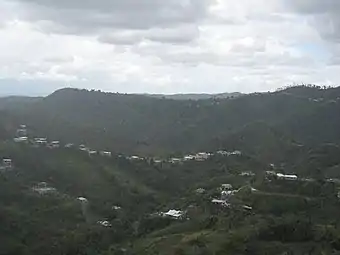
x=8 y=91
x=167 y=47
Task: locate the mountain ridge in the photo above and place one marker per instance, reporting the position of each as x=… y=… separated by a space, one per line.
x=143 y=124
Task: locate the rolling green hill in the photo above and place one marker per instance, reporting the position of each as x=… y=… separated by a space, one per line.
x=140 y=124
x=294 y=130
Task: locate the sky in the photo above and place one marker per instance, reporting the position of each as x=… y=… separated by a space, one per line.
x=167 y=46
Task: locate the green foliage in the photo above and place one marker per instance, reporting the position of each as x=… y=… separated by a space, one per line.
x=285 y=128
x=271 y=125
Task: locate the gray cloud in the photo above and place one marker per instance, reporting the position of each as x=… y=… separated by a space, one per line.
x=314 y=6
x=103 y=16
x=178 y=35
x=324 y=15
x=59 y=59
x=167 y=46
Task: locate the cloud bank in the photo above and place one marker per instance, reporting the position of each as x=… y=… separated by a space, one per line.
x=171 y=46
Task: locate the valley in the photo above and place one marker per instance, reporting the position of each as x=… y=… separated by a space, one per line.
x=87 y=172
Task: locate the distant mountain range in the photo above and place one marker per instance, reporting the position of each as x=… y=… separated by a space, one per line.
x=197 y=96
x=116 y=205
x=262 y=123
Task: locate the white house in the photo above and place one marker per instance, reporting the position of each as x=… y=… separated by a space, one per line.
x=225 y=194
x=220 y=202
x=247 y=174
x=21 y=139
x=91 y=152
x=189 y=157
x=174 y=214
x=55 y=144
x=226 y=187
x=6 y=162
x=157 y=161
x=238 y=153
x=82 y=147
x=105 y=153
x=82 y=199
x=201 y=156
x=134 y=158
x=40 y=141
x=253 y=190
x=290 y=177
x=246 y=207
x=105 y=223
x=175 y=160
x=222 y=153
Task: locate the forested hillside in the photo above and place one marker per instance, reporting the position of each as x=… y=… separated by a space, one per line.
x=131 y=174
x=140 y=124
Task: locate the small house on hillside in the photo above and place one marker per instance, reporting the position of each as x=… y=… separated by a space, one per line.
x=157 y=161
x=226 y=194
x=237 y=153
x=54 y=144
x=222 y=153
x=82 y=199
x=175 y=160
x=247 y=174
x=290 y=177
x=105 y=153
x=82 y=147
x=220 y=202
x=7 y=163
x=226 y=187
x=189 y=157
x=21 y=139
x=105 y=223
x=92 y=153
x=40 y=141
x=201 y=156
x=174 y=214
x=248 y=208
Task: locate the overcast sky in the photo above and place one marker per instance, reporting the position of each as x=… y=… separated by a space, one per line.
x=167 y=46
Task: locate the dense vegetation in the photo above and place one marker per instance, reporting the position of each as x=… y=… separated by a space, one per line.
x=294 y=130
x=144 y=125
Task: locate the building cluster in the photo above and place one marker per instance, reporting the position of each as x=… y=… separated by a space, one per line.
x=226 y=193
x=247 y=174
x=37 y=142
x=6 y=164
x=294 y=177
x=288 y=177
x=104 y=223
x=21 y=134
x=172 y=214
x=202 y=156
